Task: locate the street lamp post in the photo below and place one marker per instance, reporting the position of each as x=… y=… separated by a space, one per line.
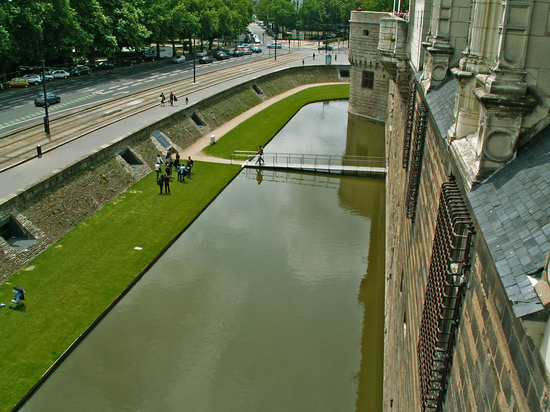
x=194 y=62
x=46 y=117
x=276 y=43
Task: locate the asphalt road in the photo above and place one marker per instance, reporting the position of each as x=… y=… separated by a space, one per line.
x=95 y=88
x=17 y=108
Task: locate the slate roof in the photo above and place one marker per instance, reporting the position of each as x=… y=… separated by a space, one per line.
x=513 y=211
x=441 y=102
x=512 y=207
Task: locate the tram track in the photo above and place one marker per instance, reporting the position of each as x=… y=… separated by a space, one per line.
x=20 y=146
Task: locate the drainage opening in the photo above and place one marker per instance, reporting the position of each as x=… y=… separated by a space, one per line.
x=131 y=158
x=257 y=89
x=344 y=72
x=198 y=121
x=17 y=237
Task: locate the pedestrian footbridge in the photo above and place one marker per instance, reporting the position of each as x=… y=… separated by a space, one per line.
x=342 y=164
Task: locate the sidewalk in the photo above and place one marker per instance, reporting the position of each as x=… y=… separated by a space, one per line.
x=19 y=178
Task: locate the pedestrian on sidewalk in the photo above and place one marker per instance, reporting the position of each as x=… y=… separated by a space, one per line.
x=303 y=62
x=162 y=98
x=313 y=55
x=186 y=101
x=171 y=99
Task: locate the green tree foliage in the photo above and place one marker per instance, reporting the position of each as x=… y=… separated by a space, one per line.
x=384 y=5
x=61 y=31
x=278 y=12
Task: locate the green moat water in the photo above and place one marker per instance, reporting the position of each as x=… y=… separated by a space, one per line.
x=271 y=301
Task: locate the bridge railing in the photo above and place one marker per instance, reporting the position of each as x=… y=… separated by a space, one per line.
x=314 y=161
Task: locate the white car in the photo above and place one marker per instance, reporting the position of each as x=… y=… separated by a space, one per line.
x=178 y=59
x=274 y=45
x=60 y=74
x=48 y=77
x=202 y=53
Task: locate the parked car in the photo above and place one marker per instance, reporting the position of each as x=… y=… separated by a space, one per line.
x=256 y=49
x=50 y=99
x=236 y=53
x=60 y=74
x=80 y=70
x=179 y=59
x=274 y=45
x=206 y=60
x=48 y=77
x=222 y=56
x=33 y=79
x=202 y=53
x=325 y=47
x=218 y=51
x=246 y=50
x=18 y=82
x=107 y=65
x=127 y=62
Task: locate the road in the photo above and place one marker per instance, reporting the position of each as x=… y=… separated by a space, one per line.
x=121 y=109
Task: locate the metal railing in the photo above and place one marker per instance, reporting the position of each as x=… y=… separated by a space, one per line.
x=316 y=162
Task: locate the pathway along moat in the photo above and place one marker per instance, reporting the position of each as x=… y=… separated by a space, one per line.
x=271 y=301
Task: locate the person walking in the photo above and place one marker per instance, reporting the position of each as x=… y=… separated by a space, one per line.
x=186 y=101
x=260 y=153
x=159 y=159
x=162 y=99
x=171 y=99
x=189 y=165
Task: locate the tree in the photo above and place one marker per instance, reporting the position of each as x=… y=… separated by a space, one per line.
x=61 y=32
x=96 y=36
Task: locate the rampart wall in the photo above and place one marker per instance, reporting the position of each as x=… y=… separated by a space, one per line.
x=493 y=365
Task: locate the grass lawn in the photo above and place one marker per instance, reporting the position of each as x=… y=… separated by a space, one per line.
x=260 y=128
x=74 y=281
x=70 y=284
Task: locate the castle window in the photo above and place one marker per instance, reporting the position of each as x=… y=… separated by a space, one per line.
x=445 y=290
x=416 y=160
x=368 y=80
x=365 y=32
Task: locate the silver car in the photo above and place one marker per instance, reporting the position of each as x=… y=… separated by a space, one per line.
x=179 y=59
x=60 y=74
x=33 y=79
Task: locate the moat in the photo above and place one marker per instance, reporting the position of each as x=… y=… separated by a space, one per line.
x=272 y=300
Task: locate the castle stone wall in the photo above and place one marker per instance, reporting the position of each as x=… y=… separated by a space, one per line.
x=495 y=365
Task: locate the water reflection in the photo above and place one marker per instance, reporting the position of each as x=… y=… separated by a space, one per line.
x=271 y=301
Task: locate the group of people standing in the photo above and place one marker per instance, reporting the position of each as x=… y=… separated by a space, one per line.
x=173 y=99
x=163 y=179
